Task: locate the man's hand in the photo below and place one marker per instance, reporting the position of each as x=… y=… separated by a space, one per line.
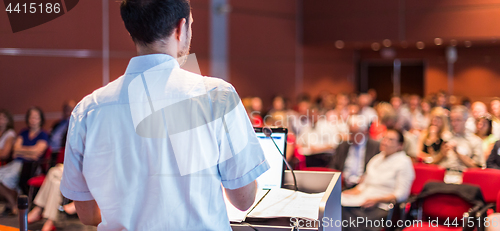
x=352 y=191
x=370 y=203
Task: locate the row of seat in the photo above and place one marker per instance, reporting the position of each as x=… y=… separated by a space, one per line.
x=431 y=199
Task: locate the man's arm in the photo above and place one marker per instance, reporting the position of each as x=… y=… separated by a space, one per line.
x=476 y=161
x=242 y=198
x=7 y=147
x=88 y=212
x=374 y=201
x=31 y=152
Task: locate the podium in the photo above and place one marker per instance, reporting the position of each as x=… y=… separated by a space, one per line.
x=329 y=209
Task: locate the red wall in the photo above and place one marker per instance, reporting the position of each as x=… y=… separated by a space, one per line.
x=262 y=47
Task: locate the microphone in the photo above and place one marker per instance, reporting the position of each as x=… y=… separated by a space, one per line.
x=268 y=132
x=22 y=206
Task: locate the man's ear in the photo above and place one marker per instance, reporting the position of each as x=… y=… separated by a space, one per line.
x=179 y=29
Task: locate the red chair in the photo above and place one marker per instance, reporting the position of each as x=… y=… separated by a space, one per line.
x=37 y=181
x=443 y=207
x=486 y=179
x=425 y=173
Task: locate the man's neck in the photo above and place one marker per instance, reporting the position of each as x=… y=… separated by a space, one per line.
x=158 y=47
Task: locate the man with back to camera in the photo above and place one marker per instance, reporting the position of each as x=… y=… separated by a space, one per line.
x=150 y=150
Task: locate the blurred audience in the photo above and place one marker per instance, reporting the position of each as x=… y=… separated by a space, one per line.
x=464 y=149
x=484 y=127
x=59 y=130
x=431 y=139
x=352 y=154
x=495 y=112
x=388 y=179
x=494 y=157
x=29 y=147
x=7 y=135
x=318 y=139
x=365 y=110
x=478 y=110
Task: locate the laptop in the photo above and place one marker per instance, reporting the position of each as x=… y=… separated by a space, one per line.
x=273 y=178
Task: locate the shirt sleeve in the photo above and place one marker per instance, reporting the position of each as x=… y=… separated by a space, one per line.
x=44 y=136
x=73 y=184
x=404 y=180
x=244 y=158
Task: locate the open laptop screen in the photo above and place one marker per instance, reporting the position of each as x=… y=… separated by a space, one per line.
x=273 y=178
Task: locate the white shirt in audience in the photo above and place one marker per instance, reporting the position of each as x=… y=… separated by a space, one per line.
x=469 y=145
x=391 y=175
x=7 y=134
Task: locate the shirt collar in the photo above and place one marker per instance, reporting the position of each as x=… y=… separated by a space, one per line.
x=139 y=64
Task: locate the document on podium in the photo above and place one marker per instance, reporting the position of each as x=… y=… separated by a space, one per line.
x=288 y=203
x=236 y=215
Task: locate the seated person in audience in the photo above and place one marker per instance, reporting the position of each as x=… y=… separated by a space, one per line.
x=388 y=178
x=59 y=130
x=432 y=138
x=48 y=200
x=318 y=140
x=378 y=128
x=426 y=107
x=49 y=197
x=442 y=100
x=493 y=160
x=7 y=135
x=464 y=150
x=495 y=111
x=483 y=131
x=254 y=116
x=340 y=112
x=410 y=140
x=29 y=147
x=365 y=110
x=299 y=120
x=478 y=110
x=418 y=120
x=402 y=112
x=352 y=155
x=431 y=143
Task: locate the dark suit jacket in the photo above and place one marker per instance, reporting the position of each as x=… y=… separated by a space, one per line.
x=338 y=160
x=494 y=159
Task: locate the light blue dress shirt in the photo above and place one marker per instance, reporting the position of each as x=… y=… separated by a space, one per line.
x=153 y=147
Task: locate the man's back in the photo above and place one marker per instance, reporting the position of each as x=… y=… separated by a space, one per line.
x=155 y=145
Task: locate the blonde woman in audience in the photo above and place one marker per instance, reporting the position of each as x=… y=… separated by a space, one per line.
x=7 y=135
x=431 y=139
